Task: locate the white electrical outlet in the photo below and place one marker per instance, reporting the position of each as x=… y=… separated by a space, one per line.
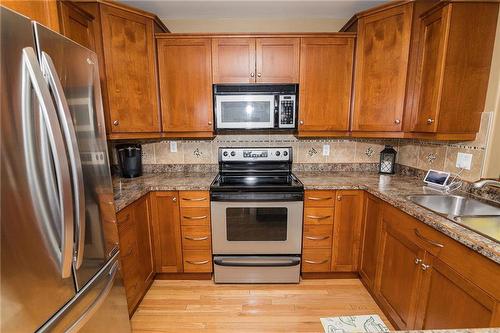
x=464 y=161
x=173 y=146
x=326 y=150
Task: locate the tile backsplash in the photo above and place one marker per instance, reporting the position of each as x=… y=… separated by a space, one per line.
x=422 y=155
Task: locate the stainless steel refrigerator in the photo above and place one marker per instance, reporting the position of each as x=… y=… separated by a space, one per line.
x=59 y=246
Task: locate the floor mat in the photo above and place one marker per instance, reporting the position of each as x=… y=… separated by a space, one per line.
x=365 y=323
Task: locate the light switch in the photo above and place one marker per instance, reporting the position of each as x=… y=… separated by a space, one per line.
x=464 y=161
x=173 y=146
x=326 y=150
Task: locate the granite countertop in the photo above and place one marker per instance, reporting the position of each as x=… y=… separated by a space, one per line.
x=127 y=190
x=394 y=189
x=390 y=188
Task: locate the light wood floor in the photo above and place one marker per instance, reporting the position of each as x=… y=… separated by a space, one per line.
x=202 y=306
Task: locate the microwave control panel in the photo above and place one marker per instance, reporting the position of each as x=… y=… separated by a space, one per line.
x=286 y=111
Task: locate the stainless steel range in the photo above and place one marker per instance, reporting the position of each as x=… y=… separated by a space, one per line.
x=256 y=208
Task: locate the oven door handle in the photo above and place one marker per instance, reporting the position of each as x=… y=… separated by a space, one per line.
x=236 y=262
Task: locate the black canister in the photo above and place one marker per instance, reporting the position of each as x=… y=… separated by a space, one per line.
x=130 y=159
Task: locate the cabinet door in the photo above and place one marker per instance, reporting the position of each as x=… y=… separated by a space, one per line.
x=166 y=232
x=233 y=60
x=129 y=54
x=277 y=60
x=43 y=11
x=76 y=24
x=429 y=71
x=142 y=216
x=381 y=65
x=450 y=301
x=370 y=236
x=185 y=74
x=347 y=230
x=326 y=66
x=397 y=279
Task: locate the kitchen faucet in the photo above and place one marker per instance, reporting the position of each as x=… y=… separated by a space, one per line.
x=486 y=182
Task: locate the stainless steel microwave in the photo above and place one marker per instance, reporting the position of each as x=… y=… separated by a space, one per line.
x=255 y=106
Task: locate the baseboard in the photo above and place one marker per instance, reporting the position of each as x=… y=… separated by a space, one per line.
x=183 y=276
x=330 y=275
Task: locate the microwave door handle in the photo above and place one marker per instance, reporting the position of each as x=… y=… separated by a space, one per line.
x=72 y=147
x=32 y=73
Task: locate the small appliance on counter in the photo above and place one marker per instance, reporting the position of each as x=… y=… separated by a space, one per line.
x=130 y=160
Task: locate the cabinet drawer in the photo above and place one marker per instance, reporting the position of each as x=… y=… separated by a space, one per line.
x=197 y=261
x=195 y=216
x=194 y=199
x=318 y=236
x=196 y=238
x=318 y=215
x=316 y=260
x=319 y=198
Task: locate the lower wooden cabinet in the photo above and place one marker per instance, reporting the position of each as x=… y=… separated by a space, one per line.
x=370 y=236
x=134 y=230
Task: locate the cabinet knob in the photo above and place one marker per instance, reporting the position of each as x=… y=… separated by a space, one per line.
x=430 y=121
x=259 y=75
x=252 y=74
x=418 y=261
x=397 y=121
x=116 y=122
x=210 y=123
x=174 y=199
x=339 y=197
x=301 y=122
x=425 y=267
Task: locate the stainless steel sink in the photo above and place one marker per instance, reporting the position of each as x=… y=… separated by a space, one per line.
x=488 y=226
x=454 y=205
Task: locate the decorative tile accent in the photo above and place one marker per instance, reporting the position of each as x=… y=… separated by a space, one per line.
x=310 y=152
x=368 y=152
x=198 y=152
x=431 y=157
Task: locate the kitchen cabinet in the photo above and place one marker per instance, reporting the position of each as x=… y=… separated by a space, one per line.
x=370 y=236
x=347 y=230
x=452 y=80
x=167 y=232
x=255 y=60
x=185 y=78
x=326 y=67
x=419 y=270
x=136 y=254
x=43 y=11
x=196 y=232
x=76 y=24
x=331 y=237
x=382 y=49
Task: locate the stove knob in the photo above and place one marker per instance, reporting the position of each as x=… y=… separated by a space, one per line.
x=285 y=153
x=225 y=153
x=233 y=153
x=278 y=153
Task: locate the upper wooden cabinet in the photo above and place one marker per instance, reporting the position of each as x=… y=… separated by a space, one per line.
x=452 y=79
x=43 y=11
x=326 y=67
x=185 y=75
x=255 y=60
x=77 y=24
x=381 y=66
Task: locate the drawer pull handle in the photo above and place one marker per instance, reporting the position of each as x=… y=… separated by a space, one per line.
x=318 y=217
x=319 y=199
x=194 y=199
x=195 y=217
x=430 y=241
x=196 y=238
x=418 y=261
x=425 y=267
x=203 y=262
x=317 y=238
x=316 y=262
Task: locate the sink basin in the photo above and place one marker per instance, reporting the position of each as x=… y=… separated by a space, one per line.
x=454 y=205
x=488 y=226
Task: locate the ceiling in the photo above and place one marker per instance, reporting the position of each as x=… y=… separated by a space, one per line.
x=264 y=9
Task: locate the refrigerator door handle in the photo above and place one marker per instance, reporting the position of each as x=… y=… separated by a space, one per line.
x=96 y=304
x=32 y=73
x=74 y=154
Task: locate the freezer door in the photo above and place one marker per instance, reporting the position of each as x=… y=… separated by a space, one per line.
x=100 y=306
x=72 y=74
x=36 y=209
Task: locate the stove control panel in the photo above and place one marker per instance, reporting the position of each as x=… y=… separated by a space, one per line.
x=255 y=154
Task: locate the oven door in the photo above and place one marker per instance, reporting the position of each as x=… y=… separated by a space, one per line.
x=257 y=227
x=244 y=111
